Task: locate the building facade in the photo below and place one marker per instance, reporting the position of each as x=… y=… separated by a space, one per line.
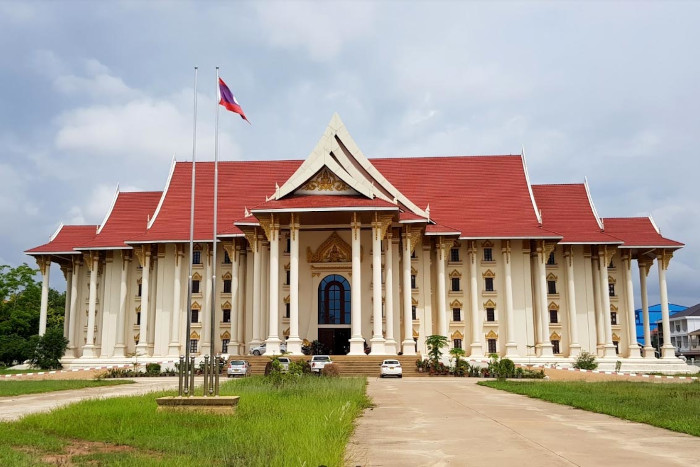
x=654 y=313
x=684 y=332
x=355 y=253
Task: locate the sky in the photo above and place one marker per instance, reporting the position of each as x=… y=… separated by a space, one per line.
x=95 y=94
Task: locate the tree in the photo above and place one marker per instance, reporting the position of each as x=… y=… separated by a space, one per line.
x=50 y=349
x=435 y=344
x=20 y=302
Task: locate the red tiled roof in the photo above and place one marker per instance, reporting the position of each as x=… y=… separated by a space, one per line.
x=322 y=202
x=481 y=196
x=566 y=209
x=241 y=184
x=438 y=229
x=637 y=232
x=409 y=217
x=66 y=239
x=128 y=218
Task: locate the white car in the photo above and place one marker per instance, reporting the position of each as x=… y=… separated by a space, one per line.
x=318 y=362
x=284 y=363
x=390 y=368
x=260 y=349
x=238 y=368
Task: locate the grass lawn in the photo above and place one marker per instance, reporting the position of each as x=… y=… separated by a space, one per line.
x=672 y=406
x=8 y=371
x=307 y=423
x=20 y=387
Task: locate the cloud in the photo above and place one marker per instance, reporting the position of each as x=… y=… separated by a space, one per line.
x=321 y=29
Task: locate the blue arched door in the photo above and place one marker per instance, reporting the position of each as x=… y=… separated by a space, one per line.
x=334 y=313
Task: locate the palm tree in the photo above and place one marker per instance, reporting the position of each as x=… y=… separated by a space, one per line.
x=435 y=344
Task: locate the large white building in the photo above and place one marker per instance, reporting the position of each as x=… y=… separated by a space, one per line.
x=355 y=251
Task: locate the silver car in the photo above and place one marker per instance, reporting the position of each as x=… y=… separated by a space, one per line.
x=238 y=368
x=260 y=349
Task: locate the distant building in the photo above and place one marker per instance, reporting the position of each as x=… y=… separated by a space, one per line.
x=654 y=316
x=685 y=331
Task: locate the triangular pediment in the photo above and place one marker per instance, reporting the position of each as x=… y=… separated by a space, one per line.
x=337 y=166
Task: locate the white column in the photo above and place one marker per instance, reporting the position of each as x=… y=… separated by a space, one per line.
x=441 y=293
x=574 y=345
x=234 y=256
x=273 y=340
x=632 y=346
x=390 y=344
x=377 y=340
x=662 y=259
x=357 y=346
x=119 y=346
x=598 y=303
x=511 y=344
x=294 y=341
x=174 y=345
x=91 y=260
x=257 y=292
x=605 y=255
x=75 y=328
x=68 y=275
x=409 y=346
x=644 y=266
x=542 y=255
x=477 y=349
x=206 y=342
x=44 y=263
x=145 y=258
x=242 y=268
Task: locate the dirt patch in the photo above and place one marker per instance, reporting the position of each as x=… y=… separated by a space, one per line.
x=567 y=375
x=82 y=448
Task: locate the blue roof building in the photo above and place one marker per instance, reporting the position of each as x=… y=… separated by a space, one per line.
x=654 y=316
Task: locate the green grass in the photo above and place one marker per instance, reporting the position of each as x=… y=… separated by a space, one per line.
x=20 y=387
x=306 y=423
x=672 y=406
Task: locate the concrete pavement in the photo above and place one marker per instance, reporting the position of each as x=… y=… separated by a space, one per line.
x=452 y=421
x=15 y=407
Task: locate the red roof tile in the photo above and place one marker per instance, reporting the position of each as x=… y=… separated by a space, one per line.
x=481 y=196
x=638 y=232
x=323 y=202
x=128 y=218
x=566 y=209
x=67 y=237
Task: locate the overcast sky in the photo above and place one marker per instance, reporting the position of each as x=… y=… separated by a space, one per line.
x=98 y=93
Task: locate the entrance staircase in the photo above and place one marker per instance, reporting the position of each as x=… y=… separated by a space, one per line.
x=348 y=365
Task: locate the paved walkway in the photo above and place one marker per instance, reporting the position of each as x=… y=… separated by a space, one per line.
x=12 y=408
x=452 y=421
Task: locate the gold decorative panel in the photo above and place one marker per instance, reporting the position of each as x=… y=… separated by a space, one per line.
x=325 y=180
x=333 y=250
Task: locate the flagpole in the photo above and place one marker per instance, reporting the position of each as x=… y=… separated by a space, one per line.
x=216 y=202
x=191 y=256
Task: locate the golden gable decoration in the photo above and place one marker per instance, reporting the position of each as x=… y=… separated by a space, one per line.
x=414 y=302
x=553 y=306
x=457 y=335
x=414 y=271
x=325 y=180
x=615 y=338
x=611 y=280
x=138 y=309
x=286 y=299
x=489 y=273
x=285 y=333
x=456 y=304
x=194 y=335
x=415 y=334
x=226 y=305
x=555 y=337
x=196 y=277
x=227 y=276
x=137 y=337
x=333 y=250
x=487 y=244
x=492 y=335
x=490 y=304
x=551 y=277
x=196 y=306
x=613 y=307
x=455 y=273
x=226 y=335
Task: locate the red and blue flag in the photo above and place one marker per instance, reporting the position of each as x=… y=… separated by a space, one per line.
x=228 y=100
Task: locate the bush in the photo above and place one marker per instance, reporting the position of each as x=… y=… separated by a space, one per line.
x=50 y=349
x=331 y=370
x=585 y=361
x=152 y=369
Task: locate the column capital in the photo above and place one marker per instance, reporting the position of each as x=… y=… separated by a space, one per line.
x=506 y=250
x=294 y=225
x=645 y=264
x=252 y=237
x=89 y=258
x=142 y=252
x=66 y=269
x=355 y=225
x=664 y=257
x=606 y=253
x=44 y=263
x=544 y=248
x=569 y=254
x=381 y=223
x=442 y=245
x=230 y=248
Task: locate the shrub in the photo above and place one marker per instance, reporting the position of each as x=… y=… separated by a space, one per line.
x=49 y=349
x=435 y=344
x=300 y=367
x=585 y=361
x=152 y=369
x=331 y=370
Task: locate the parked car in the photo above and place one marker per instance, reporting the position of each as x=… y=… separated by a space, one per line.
x=238 y=368
x=284 y=363
x=317 y=363
x=390 y=368
x=260 y=349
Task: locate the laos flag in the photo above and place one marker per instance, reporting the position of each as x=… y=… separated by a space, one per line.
x=228 y=100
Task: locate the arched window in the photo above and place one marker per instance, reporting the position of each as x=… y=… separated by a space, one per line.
x=334 y=300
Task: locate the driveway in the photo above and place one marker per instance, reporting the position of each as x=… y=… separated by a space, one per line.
x=452 y=421
x=12 y=408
